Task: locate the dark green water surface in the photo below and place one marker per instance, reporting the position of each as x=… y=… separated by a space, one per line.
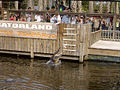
x=26 y=74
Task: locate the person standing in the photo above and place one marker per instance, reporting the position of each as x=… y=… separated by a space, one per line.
x=58 y=18
x=37 y=17
x=28 y=16
x=62 y=7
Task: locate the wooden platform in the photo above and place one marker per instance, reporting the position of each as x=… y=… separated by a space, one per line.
x=107 y=48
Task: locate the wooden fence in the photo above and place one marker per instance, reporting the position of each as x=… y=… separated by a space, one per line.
x=72 y=38
x=95 y=36
x=109 y=35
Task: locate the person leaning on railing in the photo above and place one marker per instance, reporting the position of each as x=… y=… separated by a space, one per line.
x=58 y=18
x=47 y=17
x=28 y=16
x=12 y=18
x=53 y=19
x=118 y=24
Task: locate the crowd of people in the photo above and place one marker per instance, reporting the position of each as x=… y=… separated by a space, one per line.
x=105 y=22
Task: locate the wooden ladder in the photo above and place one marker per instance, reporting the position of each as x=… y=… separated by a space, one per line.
x=70 y=41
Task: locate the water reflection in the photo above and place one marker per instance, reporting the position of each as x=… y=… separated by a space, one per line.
x=29 y=74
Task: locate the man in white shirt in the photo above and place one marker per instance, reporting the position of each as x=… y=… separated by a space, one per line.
x=37 y=18
x=58 y=17
x=53 y=19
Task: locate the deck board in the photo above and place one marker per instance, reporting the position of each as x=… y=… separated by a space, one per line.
x=110 y=45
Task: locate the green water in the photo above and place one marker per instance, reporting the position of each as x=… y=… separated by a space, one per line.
x=26 y=74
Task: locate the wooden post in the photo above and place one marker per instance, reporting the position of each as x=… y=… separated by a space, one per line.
x=74 y=6
x=82 y=37
x=8 y=14
x=101 y=7
x=45 y=4
x=80 y=6
x=1 y=4
x=87 y=39
x=108 y=7
x=114 y=20
x=117 y=7
x=112 y=7
x=61 y=27
x=100 y=32
x=81 y=56
x=40 y=5
x=51 y=3
x=32 y=48
x=16 y=5
x=31 y=4
x=91 y=9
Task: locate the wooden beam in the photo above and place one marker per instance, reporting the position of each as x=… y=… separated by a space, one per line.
x=105 y=52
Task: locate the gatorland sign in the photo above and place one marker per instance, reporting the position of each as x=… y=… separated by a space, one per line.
x=28 y=29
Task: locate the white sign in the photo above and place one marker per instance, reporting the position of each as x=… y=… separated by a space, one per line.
x=28 y=29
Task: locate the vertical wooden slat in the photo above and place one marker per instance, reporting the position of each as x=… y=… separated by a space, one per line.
x=0 y=42
x=16 y=43
x=42 y=44
x=19 y=44
x=10 y=43
x=35 y=45
x=32 y=48
x=45 y=46
x=6 y=43
x=78 y=38
x=26 y=45
x=39 y=45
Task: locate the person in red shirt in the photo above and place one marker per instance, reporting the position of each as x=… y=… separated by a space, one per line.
x=12 y=18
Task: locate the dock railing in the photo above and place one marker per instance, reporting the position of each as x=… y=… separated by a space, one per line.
x=95 y=36
x=108 y=35
x=44 y=13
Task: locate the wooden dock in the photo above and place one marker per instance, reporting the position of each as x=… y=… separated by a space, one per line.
x=43 y=39
x=106 y=48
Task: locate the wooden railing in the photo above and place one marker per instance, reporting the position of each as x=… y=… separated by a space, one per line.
x=33 y=12
x=110 y=35
x=95 y=36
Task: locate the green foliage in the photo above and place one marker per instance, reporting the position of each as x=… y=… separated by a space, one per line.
x=23 y=5
x=35 y=2
x=104 y=9
x=96 y=8
x=85 y=6
x=12 y=5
